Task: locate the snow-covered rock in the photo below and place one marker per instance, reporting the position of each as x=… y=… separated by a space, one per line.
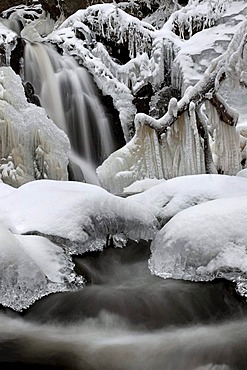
x=79 y=216
x=204 y=242
x=32 y=267
x=242 y=173
x=141 y=185
x=174 y=195
x=44 y=222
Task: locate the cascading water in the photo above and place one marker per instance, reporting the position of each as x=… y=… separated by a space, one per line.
x=66 y=91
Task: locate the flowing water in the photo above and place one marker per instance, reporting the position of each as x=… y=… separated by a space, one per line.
x=124 y=318
x=67 y=92
x=127 y=319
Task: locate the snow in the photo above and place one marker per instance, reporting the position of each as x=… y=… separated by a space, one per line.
x=142 y=185
x=204 y=242
x=177 y=152
x=8 y=41
x=44 y=222
x=204 y=215
x=215 y=30
x=80 y=216
x=180 y=150
x=32 y=267
x=242 y=173
x=32 y=145
x=152 y=53
x=174 y=195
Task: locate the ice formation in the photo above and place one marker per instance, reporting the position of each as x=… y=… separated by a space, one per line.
x=125 y=54
x=32 y=267
x=204 y=242
x=32 y=147
x=148 y=156
x=200 y=48
x=8 y=41
x=174 y=195
x=78 y=216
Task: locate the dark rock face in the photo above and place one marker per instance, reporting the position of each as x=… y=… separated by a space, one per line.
x=142 y=99
x=160 y=101
x=6 y=4
x=67 y=7
x=16 y=55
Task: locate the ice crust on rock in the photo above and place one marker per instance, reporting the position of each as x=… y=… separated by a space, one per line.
x=32 y=267
x=78 y=216
x=204 y=242
x=33 y=147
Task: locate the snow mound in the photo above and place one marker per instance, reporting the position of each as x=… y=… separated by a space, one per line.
x=204 y=242
x=76 y=215
x=142 y=185
x=242 y=173
x=32 y=267
x=174 y=195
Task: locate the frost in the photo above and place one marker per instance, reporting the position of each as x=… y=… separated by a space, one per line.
x=184 y=249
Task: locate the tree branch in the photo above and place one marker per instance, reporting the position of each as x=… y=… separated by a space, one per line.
x=226 y=113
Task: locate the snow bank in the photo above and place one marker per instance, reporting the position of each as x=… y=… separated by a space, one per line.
x=32 y=147
x=204 y=242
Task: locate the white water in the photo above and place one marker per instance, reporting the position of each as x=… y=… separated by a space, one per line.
x=67 y=93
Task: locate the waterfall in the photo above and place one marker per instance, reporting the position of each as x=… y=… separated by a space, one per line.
x=67 y=92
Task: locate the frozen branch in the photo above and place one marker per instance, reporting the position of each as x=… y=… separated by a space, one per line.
x=226 y=113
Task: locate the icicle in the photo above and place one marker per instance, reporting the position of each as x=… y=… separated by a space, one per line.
x=173 y=107
x=226 y=144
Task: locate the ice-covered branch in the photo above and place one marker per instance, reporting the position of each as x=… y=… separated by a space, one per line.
x=221 y=67
x=195 y=94
x=226 y=113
